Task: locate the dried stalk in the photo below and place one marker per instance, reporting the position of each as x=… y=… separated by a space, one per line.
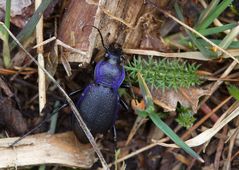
x=40 y=58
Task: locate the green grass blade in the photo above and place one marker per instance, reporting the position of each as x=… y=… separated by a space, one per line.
x=7 y=16
x=208 y=10
x=6 y=51
x=215 y=30
x=214 y=14
x=234 y=91
x=30 y=26
x=1 y=32
x=53 y=123
x=145 y=91
x=229 y=38
x=202 y=49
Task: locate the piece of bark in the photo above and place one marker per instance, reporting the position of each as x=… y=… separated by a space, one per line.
x=108 y=16
x=125 y=17
x=59 y=149
x=78 y=14
x=5 y=88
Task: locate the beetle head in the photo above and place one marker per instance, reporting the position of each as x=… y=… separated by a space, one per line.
x=114 y=53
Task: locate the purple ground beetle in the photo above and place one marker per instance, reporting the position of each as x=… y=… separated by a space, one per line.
x=99 y=103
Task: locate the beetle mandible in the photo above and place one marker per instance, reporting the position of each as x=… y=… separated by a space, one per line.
x=98 y=104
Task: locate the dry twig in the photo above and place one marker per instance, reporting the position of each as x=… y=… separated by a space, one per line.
x=41 y=74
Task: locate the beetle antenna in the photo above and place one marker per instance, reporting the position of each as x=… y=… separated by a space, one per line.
x=101 y=37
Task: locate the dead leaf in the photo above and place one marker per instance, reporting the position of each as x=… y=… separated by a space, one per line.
x=17 y=6
x=12 y=118
x=189 y=97
x=21 y=10
x=153 y=42
x=137 y=105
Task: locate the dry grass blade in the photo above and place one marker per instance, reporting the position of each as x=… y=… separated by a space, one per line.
x=59 y=42
x=44 y=42
x=227 y=163
x=219 y=82
x=133 y=154
x=16 y=70
x=137 y=124
x=186 y=55
x=220 y=148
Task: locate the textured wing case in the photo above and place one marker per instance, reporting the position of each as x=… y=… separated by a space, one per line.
x=97 y=106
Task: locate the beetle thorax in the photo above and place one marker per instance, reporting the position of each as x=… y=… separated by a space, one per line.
x=109 y=73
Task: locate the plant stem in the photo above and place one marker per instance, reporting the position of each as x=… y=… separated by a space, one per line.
x=6 y=51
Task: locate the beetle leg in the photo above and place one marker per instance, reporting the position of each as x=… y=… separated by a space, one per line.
x=128 y=86
x=125 y=85
x=39 y=125
x=75 y=92
x=124 y=104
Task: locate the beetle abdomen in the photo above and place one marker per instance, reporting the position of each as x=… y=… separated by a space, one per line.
x=98 y=106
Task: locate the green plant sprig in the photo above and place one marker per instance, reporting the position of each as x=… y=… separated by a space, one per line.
x=165 y=73
x=185 y=117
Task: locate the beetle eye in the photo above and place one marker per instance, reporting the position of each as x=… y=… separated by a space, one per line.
x=106 y=55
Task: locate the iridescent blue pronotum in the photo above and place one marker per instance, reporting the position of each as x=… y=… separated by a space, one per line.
x=99 y=103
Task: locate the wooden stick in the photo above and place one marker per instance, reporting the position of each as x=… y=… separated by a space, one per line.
x=61 y=149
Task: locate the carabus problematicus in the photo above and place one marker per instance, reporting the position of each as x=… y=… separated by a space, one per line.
x=99 y=102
